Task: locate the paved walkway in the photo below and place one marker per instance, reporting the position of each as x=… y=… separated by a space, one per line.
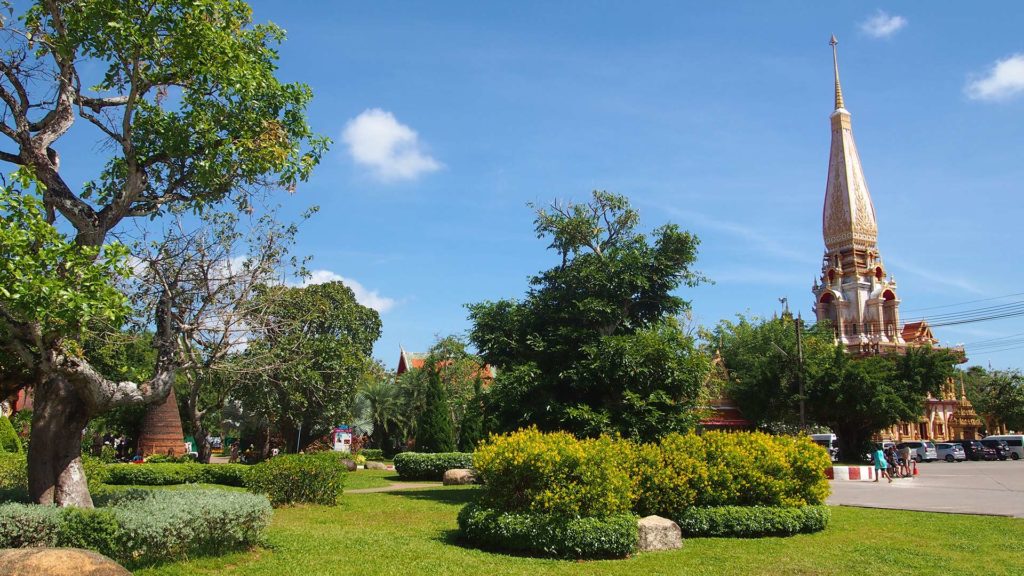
x=395 y=487
x=994 y=488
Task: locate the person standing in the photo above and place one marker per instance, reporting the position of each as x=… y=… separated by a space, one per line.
x=881 y=465
x=905 y=456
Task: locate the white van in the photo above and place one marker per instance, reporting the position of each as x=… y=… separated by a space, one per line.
x=828 y=442
x=1014 y=441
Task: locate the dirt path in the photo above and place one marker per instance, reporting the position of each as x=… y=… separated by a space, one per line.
x=395 y=487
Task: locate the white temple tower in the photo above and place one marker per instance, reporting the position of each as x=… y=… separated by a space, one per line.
x=854 y=293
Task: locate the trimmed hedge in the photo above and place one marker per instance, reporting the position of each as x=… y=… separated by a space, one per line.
x=549 y=534
x=9 y=441
x=14 y=476
x=299 y=478
x=143 y=526
x=372 y=453
x=530 y=471
x=422 y=466
x=164 y=474
x=752 y=521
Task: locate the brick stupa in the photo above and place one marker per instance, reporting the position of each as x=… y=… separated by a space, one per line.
x=161 y=429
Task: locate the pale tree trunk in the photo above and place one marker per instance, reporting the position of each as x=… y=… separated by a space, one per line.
x=55 y=471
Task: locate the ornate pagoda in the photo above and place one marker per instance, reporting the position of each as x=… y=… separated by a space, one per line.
x=854 y=293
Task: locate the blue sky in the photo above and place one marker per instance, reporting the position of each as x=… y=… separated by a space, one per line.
x=448 y=118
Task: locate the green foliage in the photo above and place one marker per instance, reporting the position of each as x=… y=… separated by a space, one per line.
x=372 y=453
x=530 y=471
x=417 y=466
x=553 y=535
x=13 y=477
x=752 y=521
x=319 y=350
x=47 y=279
x=998 y=394
x=298 y=479
x=9 y=441
x=141 y=526
x=854 y=397
x=471 y=430
x=594 y=346
x=434 y=428
x=164 y=474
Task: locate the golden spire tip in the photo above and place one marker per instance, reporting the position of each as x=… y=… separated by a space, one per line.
x=835 y=65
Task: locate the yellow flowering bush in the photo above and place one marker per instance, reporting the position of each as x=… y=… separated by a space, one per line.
x=530 y=471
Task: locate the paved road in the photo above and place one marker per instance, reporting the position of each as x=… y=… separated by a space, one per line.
x=995 y=488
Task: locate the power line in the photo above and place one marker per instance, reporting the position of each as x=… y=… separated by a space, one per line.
x=967 y=302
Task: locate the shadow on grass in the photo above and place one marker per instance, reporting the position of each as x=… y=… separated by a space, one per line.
x=453 y=497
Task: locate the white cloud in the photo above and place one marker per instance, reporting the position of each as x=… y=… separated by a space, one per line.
x=1003 y=80
x=390 y=149
x=365 y=296
x=882 y=25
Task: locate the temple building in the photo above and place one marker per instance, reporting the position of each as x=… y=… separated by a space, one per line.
x=858 y=297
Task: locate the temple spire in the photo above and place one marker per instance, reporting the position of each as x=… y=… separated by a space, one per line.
x=835 y=66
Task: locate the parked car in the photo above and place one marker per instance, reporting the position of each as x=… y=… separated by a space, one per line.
x=828 y=442
x=1000 y=446
x=975 y=450
x=950 y=452
x=921 y=450
x=1014 y=441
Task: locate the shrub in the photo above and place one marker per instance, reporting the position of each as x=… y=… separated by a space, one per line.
x=9 y=441
x=435 y=431
x=143 y=526
x=372 y=453
x=168 y=473
x=298 y=478
x=529 y=471
x=542 y=534
x=13 y=477
x=752 y=521
x=417 y=466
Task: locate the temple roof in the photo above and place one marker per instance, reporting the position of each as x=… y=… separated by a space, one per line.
x=848 y=217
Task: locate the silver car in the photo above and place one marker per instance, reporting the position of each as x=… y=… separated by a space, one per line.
x=921 y=450
x=950 y=452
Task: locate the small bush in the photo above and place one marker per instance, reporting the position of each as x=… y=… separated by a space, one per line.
x=553 y=535
x=143 y=526
x=164 y=474
x=13 y=477
x=752 y=521
x=297 y=478
x=372 y=453
x=9 y=441
x=530 y=471
x=419 y=466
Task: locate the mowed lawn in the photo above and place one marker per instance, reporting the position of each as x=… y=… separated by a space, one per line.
x=414 y=532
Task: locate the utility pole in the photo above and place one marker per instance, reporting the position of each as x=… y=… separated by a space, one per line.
x=800 y=371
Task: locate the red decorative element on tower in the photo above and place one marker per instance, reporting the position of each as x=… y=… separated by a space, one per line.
x=161 y=429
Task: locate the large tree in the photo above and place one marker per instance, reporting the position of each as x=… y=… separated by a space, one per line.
x=997 y=395
x=316 y=348
x=854 y=397
x=183 y=100
x=594 y=346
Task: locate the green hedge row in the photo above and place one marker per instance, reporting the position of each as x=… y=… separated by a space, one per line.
x=422 y=466
x=372 y=453
x=549 y=534
x=14 y=476
x=752 y=521
x=164 y=474
x=138 y=527
x=9 y=441
x=296 y=478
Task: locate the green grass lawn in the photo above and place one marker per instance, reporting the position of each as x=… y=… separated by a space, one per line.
x=370 y=479
x=414 y=532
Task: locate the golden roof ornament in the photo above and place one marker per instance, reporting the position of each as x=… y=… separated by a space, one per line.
x=835 y=66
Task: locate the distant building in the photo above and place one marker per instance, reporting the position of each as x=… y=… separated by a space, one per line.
x=855 y=292
x=413 y=360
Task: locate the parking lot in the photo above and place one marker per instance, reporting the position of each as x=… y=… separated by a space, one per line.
x=995 y=488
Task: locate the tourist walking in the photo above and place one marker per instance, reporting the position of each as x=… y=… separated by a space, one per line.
x=881 y=465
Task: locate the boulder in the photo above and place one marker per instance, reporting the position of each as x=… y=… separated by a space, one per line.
x=57 y=562
x=350 y=464
x=457 y=476
x=657 y=533
x=374 y=465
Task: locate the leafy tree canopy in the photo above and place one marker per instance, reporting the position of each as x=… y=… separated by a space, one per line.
x=579 y=351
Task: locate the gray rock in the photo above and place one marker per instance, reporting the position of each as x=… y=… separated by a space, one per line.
x=657 y=533
x=350 y=464
x=374 y=465
x=458 y=476
x=58 y=562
